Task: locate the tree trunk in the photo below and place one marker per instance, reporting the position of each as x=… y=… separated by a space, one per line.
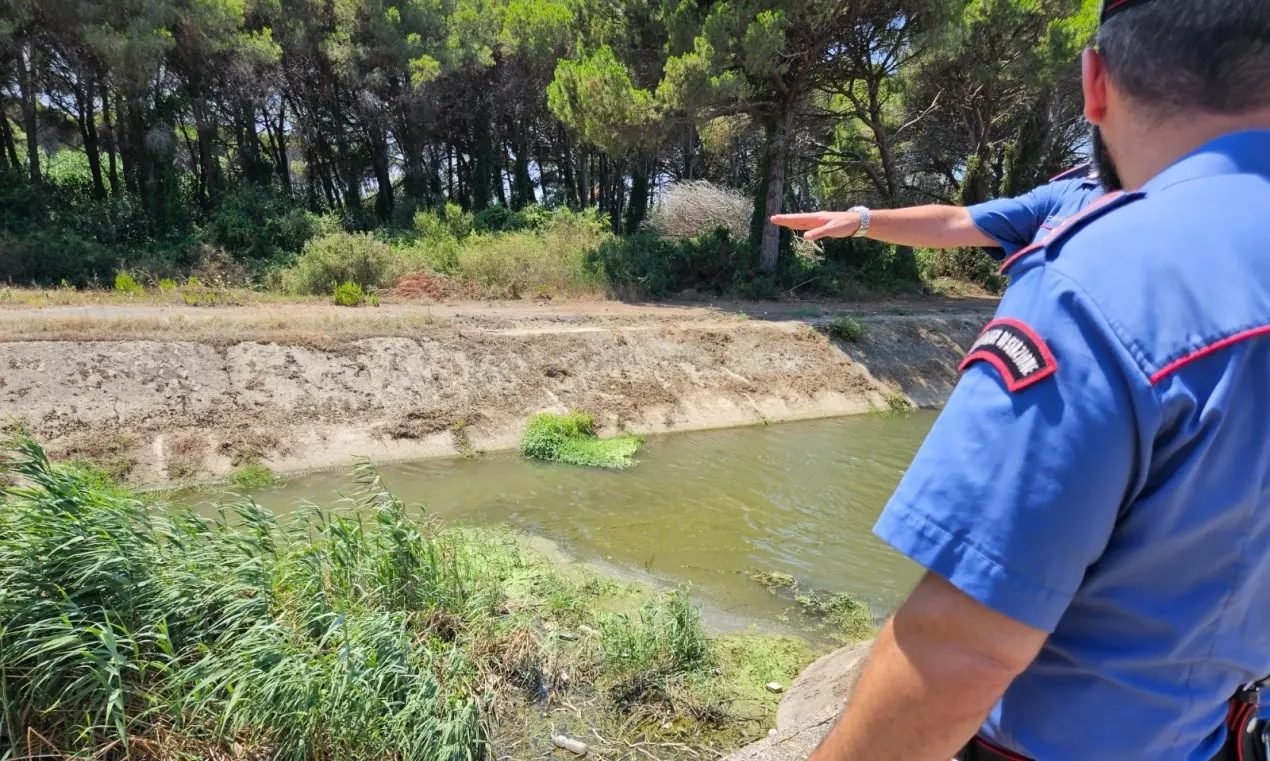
x=524 y=185
x=205 y=133
x=584 y=180
x=85 y=101
x=131 y=127
x=637 y=207
x=311 y=180
x=500 y=185
x=112 y=144
x=482 y=156
x=777 y=150
x=566 y=172
x=383 y=178
x=30 y=122
x=250 y=163
x=6 y=136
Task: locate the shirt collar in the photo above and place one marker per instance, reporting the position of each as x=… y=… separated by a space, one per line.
x=1246 y=152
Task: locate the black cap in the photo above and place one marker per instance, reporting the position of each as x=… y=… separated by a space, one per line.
x=1112 y=7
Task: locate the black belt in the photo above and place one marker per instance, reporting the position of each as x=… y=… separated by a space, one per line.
x=1244 y=739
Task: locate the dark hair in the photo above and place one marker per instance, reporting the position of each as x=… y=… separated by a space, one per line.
x=1178 y=55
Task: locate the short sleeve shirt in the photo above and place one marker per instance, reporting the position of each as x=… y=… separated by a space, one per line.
x=1015 y=223
x=1102 y=470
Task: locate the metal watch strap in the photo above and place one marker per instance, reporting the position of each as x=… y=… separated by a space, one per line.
x=863 y=229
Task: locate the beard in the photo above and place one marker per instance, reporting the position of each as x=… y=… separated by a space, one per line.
x=1103 y=163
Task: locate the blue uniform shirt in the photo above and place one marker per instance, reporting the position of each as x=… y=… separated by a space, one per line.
x=1102 y=470
x=1015 y=223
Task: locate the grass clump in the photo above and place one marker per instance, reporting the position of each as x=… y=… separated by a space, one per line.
x=571 y=439
x=847 y=329
x=349 y=295
x=127 y=284
x=362 y=632
x=253 y=475
x=898 y=404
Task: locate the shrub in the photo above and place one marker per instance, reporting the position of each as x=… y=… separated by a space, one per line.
x=125 y=283
x=167 y=284
x=258 y=224
x=694 y=208
x=448 y=221
x=349 y=295
x=570 y=439
x=500 y=219
x=544 y=262
x=971 y=265
x=339 y=258
x=847 y=329
x=253 y=475
x=649 y=265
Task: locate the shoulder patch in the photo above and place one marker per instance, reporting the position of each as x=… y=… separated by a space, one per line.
x=1094 y=210
x=1015 y=350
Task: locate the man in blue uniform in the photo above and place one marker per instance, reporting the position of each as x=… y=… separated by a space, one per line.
x=1002 y=227
x=1093 y=504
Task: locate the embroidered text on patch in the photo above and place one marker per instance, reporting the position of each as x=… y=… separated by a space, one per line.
x=1015 y=350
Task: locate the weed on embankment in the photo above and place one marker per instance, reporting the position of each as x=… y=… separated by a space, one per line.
x=365 y=632
x=571 y=439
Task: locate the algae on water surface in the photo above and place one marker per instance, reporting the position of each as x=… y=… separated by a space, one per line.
x=571 y=439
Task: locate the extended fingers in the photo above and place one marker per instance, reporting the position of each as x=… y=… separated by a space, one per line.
x=800 y=221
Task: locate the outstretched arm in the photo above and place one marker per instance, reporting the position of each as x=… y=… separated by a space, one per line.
x=930 y=226
x=936 y=671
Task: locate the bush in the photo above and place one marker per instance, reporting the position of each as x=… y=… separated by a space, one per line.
x=649 y=265
x=847 y=329
x=339 y=258
x=500 y=219
x=349 y=295
x=125 y=283
x=571 y=439
x=448 y=222
x=260 y=225
x=690 y=209
x=543 y=262
x=970 y=265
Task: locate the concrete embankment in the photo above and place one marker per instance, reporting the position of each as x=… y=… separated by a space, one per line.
x=166 y=408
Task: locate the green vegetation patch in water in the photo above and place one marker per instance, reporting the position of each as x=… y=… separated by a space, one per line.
x=570 y=438
x=366 y=631
x=253 y=475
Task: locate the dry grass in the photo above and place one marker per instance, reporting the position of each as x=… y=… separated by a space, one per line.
x=26 y=298
x=318 y=329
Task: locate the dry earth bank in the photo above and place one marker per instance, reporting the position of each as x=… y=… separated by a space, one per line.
x=170 y=394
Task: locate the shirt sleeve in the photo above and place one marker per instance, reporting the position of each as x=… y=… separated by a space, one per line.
x=1014 y=222
x=1014 y=494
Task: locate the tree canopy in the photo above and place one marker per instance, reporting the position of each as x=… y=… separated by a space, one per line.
x=373 y=109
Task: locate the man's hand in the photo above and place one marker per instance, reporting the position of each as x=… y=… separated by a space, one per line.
x=936 y=671
x=821 y=224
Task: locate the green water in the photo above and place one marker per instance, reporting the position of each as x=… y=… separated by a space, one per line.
x=708 y=508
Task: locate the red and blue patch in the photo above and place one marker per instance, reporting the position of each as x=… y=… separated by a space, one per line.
x=1015 y=350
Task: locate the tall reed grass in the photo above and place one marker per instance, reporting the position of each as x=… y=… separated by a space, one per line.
x=363 y=632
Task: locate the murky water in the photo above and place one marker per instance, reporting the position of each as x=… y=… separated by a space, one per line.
x=706 y=507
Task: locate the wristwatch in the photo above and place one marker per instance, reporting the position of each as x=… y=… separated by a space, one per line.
x=863 y=229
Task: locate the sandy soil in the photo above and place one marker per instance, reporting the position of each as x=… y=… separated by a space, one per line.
x=165 y=393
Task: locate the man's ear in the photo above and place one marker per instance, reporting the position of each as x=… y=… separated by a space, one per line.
x=1093 y=80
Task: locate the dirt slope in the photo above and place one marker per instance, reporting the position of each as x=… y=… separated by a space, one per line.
x=167 y=394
